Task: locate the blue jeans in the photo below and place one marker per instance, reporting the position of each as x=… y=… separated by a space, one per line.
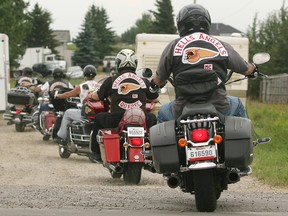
x=237 y=108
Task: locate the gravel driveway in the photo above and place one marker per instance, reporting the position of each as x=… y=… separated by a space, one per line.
x=32 y=175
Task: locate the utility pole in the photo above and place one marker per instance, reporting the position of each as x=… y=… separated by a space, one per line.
x=195 y=2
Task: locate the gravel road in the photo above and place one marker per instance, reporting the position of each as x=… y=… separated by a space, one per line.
x=33 y=176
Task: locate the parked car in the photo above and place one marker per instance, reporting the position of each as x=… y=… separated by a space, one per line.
x=74 y=72
x=45 y=69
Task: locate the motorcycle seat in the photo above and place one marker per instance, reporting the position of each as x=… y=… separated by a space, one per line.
x=202 y=109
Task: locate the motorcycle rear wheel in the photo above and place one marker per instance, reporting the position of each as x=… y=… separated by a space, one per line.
x=132 y=173
x=20 y=127
x=205 y=190
x=63 y=152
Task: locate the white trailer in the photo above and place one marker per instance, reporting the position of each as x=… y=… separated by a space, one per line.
x=4 y=71
x=149 y=48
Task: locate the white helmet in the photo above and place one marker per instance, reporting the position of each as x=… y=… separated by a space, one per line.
x=126 y=59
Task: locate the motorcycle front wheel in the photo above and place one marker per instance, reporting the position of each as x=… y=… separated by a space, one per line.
x=132 y=173
x=63 y=152
x=205 y=190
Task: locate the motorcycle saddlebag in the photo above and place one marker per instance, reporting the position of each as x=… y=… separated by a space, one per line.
x=109 y=141
x=238 y=142
x=48 y=119
x=21 y=98
x=164 y=147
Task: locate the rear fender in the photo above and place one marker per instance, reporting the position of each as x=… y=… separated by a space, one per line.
x=135 y=155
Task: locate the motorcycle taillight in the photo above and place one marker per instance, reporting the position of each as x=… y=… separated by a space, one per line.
x=136 y=141
x=18 y=111
x=200 y=135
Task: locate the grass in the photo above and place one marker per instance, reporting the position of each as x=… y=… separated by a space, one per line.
x=270 y=163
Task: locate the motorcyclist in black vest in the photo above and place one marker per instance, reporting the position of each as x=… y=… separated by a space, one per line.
x=50 y=86
x=198 y=62
x=26 y=78
x=124 y=90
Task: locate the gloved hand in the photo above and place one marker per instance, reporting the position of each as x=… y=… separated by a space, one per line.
x=254 y=74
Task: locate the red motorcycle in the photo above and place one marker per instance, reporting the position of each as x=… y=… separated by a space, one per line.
x=125 y=150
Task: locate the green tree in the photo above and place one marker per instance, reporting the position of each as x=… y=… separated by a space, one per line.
x=143 y=25
x=104 y=36
x=40 y=33
x=85 y=53
x=13 y=22
x=164 y=18
x=269 y=36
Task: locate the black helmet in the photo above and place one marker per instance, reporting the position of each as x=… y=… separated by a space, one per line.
x=27 y=71
x=58 y=73
x=126 y=59
x=89 y=71
x=193 y=18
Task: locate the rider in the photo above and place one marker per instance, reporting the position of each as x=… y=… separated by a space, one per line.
x=26 y=78
x=202 y=58
x=49 y=87
x=125 y=90
x=89 y=73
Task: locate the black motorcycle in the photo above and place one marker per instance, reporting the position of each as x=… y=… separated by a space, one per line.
x=203 y=151
x=22 y=104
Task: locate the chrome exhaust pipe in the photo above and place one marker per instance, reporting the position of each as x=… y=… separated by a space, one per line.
x=173 y=181
x=233 y=177
x=116 y=169
x=245 y=172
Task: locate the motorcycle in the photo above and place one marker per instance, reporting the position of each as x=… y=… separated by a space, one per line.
x=22 y=104
x=79 y=132
x=203 y=151
x=46 y=119
x=125 y=150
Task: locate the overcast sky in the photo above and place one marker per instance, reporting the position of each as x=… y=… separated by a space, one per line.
x=69 y=14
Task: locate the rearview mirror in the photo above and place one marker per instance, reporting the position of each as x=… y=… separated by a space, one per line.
x=144 y=73
x=261 y=58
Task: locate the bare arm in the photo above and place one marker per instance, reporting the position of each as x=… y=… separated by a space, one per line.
x=72 y=93
x=35 y=89
x=93 y=96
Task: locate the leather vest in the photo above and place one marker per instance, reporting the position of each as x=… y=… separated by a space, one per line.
x=128 y=91
x=57 y=83
x=200 y=51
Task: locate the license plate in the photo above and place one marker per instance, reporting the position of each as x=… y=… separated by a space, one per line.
x=201 y=153
x=19 y=107
x=135 y=131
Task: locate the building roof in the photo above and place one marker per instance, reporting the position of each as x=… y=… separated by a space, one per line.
x=222 y=29
x=63 y=36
